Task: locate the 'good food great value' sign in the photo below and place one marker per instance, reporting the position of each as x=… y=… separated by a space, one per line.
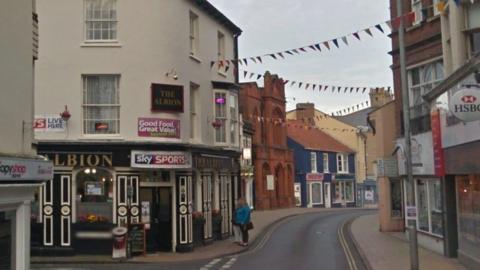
x=160 y=128
x=465 y=104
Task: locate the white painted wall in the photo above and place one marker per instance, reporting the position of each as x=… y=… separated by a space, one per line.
x=153 y=38
x=16 y=76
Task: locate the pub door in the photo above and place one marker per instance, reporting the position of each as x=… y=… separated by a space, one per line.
x=158 y=200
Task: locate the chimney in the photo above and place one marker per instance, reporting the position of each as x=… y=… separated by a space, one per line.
x=305 y=111
x=379 y=97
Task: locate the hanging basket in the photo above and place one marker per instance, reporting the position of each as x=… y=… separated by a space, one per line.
x=65 y=115
x=217 y=124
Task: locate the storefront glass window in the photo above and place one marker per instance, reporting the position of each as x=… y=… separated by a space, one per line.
x=349 y=191
x=5 y=239
x=35 y=207
x=94 y=198
x=429 y=205
x=338 y=192
x=316 y=193
x=396 y=198
x=468 y=192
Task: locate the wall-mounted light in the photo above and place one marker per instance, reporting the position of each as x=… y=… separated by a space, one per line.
x=172 y=73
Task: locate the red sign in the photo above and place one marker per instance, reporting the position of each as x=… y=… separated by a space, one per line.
x=314 y=176
x=438 y=153
x=156 y=127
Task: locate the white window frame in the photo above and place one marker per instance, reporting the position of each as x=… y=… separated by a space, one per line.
x=416 y=6
x=194 y=34
x=429 y=207
x=310 y=190
x=325 y=163
x=85 y=106
x=111 y=22
x=227 y=119
x=435 y=80
x=313 y=162
x=220 y=46
x=342 y=162
x=194 y=111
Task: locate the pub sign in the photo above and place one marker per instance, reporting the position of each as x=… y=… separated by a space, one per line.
x=167 y=98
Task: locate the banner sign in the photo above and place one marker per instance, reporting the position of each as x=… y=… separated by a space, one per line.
x=465 y=104
x=12 y=169
x=167 y=98
x=161 y=160
x=49 y=123
x=160 y=128
x=270 y=182
x=314 y=176
x=438 y=154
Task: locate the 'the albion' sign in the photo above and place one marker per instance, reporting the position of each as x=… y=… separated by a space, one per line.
x=465 y=104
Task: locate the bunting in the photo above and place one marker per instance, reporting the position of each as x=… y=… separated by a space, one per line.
x=316 y=47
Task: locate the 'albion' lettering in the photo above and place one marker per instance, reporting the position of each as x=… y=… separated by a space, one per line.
x=74 y=160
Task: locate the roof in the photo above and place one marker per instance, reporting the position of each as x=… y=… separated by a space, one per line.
x=358 y=118
x=218 y=16
x=313 y=138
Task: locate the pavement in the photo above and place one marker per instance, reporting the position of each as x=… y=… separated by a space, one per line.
x=381 y=250
x=262 y=220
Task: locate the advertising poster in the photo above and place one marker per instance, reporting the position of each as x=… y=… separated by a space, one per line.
x=159 y=128
x=49 y=123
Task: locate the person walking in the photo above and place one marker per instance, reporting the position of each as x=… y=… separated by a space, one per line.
x=237 y=231
x=242 y=218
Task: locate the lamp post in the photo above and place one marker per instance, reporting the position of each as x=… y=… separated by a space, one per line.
x=412 y=223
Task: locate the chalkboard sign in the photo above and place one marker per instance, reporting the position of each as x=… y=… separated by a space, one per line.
x=136 y=234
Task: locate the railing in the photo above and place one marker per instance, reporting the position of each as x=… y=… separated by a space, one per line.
x=35 y=35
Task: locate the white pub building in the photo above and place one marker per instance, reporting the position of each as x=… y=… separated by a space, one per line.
x=139 y=126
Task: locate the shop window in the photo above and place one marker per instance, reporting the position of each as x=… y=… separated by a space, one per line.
x=396 y=198
x=468 y=194
x=94 y=196
x=429 y=205
x=338 y=192
x=317 y=192
x=349 y=191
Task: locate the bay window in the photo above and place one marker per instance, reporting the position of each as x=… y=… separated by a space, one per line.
x=226 y=118
x=101 y=107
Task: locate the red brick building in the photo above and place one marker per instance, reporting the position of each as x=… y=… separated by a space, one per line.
x=264 y=109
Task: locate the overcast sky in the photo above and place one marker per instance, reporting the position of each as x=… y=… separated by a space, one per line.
x=275 y=25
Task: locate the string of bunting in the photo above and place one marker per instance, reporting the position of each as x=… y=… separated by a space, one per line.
x=352 y=109
x=322 y=45
x=295 y=124
x=317 y=86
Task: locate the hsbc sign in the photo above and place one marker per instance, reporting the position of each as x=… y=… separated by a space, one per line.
x=465 y=104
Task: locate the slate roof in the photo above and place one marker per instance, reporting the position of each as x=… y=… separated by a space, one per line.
x=314 y=139
x=358 y=118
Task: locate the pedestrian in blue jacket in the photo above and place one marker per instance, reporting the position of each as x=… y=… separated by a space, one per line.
x=242 y=218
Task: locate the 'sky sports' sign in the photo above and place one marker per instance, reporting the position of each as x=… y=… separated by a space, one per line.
x=161 y=160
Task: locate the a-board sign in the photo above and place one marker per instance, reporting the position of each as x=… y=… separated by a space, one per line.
x=136 y=234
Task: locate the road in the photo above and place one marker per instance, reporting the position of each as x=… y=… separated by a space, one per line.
x=312 y=241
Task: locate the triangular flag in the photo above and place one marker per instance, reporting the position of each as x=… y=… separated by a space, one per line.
x=345 y=90
x=212 y=64
x=335 y=42
x=357 y=90
x=364 y=89
x=312 y=47
x=227 y=68
x=245 y=61
x=295 y=51
x=367 y=30
x=302 y=49
x=333 y=89
x=389 y=24
x=338 y=89
x=273 y=56
x=293 y=83
x=367 y=103
x=326 y=44
x=300 y=85
x=344 y=38
x=251 y=75
x=396 y=22
x=440 y=6
x=351 y=89
x=379 y=27
x=326 y=87
x=356 y=35
x=228 y=62
x=259 y=58
x=409 y=18
x=259 y=76
x=314 y=87
x=285 y=82
x=245 y=74
x=289 y=52
x=306 y=87
x=281 y=55
x=253 y=59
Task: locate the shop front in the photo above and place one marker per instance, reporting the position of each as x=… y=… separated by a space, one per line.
x=20 y=178
x=343 y=189
x=164 y=193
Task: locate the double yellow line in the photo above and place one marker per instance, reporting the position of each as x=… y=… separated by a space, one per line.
x=350 y=259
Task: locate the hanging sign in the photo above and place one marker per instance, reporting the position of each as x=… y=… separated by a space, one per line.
x=167 y=98
x=160 y=128
x=314 y=176
x=465 y=104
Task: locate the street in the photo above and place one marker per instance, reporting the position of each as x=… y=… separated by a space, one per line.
x=311 y=241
